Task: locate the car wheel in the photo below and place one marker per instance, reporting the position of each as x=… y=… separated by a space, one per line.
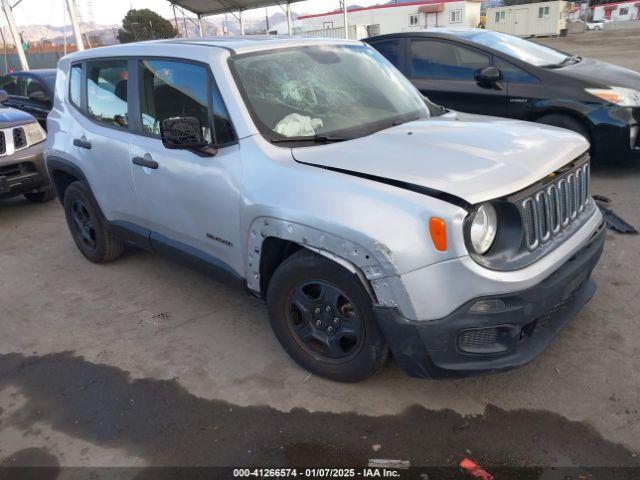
x=41 y=197
x=88 y=228
x=565 y=121
x=323 y=317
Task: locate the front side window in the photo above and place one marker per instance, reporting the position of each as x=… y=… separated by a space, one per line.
x=107 y=92
x=9 y=84
x=173 y=89
x=34 y=86
x=344 y=91
x=513 y=74
x=75 y=85
x=455 y=16
x=433 y=59
x=414 y=19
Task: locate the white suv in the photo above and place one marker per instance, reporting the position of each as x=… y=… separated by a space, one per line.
x=313 y=173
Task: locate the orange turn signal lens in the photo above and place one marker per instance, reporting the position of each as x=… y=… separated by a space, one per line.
x=438 y=231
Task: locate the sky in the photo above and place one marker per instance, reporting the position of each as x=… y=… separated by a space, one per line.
x=107 y=12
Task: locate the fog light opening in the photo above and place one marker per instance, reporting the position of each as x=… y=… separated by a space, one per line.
x=491 y=305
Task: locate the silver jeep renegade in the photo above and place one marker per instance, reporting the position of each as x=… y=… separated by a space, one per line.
x=311 y=172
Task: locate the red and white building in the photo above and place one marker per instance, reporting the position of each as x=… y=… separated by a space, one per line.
x=403 y=17
x=616 y=11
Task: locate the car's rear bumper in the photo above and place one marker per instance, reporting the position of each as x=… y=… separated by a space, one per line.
x=468 y=343
x=23 y=171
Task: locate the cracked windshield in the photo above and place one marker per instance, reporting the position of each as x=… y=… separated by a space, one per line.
x=336 y=91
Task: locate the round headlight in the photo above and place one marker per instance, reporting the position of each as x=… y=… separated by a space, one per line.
x=484 y=227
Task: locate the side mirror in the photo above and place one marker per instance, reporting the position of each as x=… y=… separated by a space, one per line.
x=184 y=133
x=39 y=96
x=488 y=76
x=4 y=96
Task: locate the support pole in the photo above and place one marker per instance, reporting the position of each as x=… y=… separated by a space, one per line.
x=345 y=14
x=73 y=16
x=200 y=26
x=241 y=22
x=14 y=33
x=289 y=18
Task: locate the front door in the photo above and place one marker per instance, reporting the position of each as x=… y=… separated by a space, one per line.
x=192 y=202
x=521 y=22
x=432 y=20
x=445 y=72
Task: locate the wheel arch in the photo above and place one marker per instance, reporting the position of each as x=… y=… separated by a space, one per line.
x=567 y=112
x=63 y=173
x=271 y=241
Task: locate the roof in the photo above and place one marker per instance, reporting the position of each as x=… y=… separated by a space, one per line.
x=240 y=44
x=215 y=7
x=38 y=72
x=379 y=7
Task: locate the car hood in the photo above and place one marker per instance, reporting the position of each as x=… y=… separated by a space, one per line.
x=601 y=74
x=10 y=117
x=472 y=157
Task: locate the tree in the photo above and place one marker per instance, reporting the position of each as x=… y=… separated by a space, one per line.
x=144 y=24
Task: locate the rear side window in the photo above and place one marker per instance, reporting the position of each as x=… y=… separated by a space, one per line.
x=75 y=85
x=390 y=49
x=107 y=92
x=433 y=59
x=173 y=89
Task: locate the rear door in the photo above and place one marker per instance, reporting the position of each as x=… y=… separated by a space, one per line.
x=191 y=201
x=445 y=72
x=100 y=133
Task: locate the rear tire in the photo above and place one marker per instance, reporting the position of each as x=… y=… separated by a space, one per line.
x=88 y=227
x=41 y=197
x=567 y=122
x=323 y=318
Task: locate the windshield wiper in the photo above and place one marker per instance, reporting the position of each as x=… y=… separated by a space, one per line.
x=313 y=139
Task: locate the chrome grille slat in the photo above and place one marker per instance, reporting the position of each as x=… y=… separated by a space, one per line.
x=550 y=210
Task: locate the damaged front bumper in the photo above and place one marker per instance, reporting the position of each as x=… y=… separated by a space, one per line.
x=507 y=332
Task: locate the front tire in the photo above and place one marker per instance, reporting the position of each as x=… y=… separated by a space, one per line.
x=567 y=122
x=323 y=318
x=88 y=228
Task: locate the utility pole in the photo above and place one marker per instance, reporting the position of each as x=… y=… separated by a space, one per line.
x=73 y=15
x=289 y=18
x=200 y=26
x=345 y=13
x=14 y=33
x=241 y=22
x=266 y=16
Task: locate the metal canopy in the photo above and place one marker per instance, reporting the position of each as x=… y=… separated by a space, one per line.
x=216 y=7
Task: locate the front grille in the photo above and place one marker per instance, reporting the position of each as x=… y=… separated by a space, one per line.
x=546 y=212
x=17 y=169
x=3 y=144
x=19 y=138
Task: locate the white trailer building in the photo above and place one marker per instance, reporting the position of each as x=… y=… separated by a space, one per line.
x=616 y=11
x=402 y=17
x=530 y=20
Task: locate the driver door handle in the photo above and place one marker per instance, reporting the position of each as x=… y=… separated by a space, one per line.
x=145 y=162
